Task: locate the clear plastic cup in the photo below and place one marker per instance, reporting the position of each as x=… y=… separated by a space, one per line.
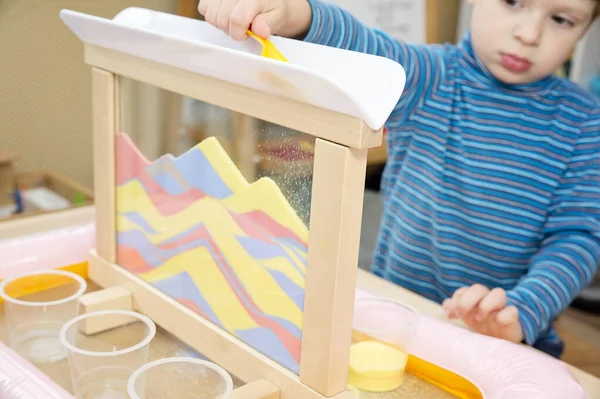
x=37 y=304
x=180 y=378
x=101 y=363
x=382 y=333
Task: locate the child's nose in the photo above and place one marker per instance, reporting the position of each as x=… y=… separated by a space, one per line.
x=529 y=31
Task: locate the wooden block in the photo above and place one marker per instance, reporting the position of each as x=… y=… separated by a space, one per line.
x=260 y=389
x=107 y=299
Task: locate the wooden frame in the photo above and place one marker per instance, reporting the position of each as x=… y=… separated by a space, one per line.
x=342 y=143
x=338 y=188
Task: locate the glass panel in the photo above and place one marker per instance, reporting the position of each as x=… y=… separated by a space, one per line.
x=213 y=210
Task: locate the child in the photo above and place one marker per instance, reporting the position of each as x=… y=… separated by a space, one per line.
x=492 y=185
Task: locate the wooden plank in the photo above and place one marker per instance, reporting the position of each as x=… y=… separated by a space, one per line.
x=318 y=122
x=105 y=117
x=235 y=356
x=261 y=389
x=333 y=243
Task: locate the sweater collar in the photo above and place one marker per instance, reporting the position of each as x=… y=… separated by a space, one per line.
x=485 y=77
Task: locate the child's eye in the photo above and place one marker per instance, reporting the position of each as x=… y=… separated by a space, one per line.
x=511 y=3
x=562 y=21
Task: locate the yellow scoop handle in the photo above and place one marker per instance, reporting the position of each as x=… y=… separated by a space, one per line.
x=269 y=50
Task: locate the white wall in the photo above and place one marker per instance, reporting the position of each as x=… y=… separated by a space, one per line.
x=586 y=62
x=401 y=19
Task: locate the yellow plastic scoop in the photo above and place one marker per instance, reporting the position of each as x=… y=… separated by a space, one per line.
x=269 y=49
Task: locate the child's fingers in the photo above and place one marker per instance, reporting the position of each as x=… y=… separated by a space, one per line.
x=449 y=306
x=241 y=18
x=507 y=316
x=223 y=16
x=471 y=298
x=203 y=6
x=459 y=293
x=264 y=23
x=212 y=11
x=495 y=300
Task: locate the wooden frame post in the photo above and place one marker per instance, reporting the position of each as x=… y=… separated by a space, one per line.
x=105 y=103
x=333 y=242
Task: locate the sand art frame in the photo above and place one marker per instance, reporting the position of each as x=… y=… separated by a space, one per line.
x=311 y=94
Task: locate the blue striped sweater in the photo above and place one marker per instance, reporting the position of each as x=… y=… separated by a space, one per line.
x=485 y=182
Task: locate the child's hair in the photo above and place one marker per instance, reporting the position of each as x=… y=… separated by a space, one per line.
x=597 y=12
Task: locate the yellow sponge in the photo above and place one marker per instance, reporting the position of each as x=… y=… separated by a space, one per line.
x=376 y=367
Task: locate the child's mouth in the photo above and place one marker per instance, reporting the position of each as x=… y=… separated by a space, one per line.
x=514 y=63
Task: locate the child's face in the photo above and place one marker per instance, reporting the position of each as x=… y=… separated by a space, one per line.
x=521 y=41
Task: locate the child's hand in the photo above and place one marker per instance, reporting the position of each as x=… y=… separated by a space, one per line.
x=485 y=311
x=290 y=18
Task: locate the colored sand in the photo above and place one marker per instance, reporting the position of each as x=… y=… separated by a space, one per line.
x=376 y=367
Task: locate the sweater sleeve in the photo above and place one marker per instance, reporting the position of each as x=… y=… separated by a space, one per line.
x=334 y=27
x=570 y=252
